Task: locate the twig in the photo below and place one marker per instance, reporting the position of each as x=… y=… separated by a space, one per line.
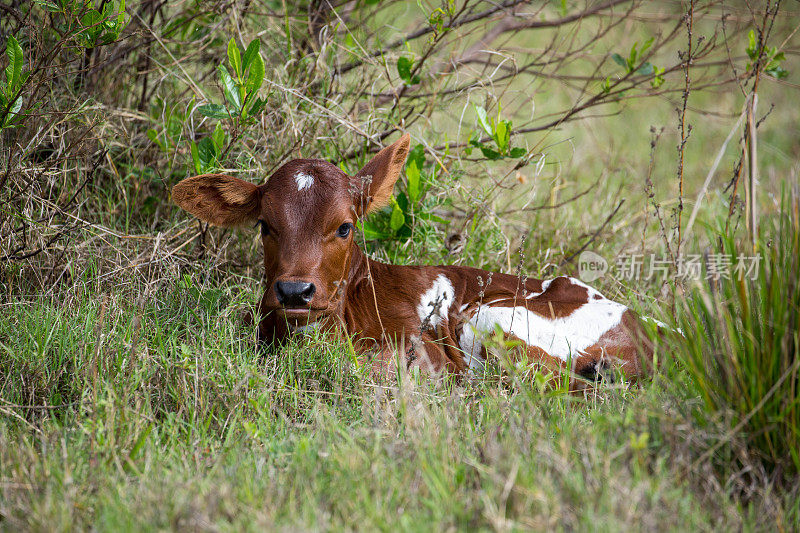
x=684 y=130
x=572 y=256
x=712 y=170
x=752 y=168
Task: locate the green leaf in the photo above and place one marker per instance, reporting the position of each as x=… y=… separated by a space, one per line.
x=632 y=57
x=777 y=72
x=90 y=22
x=436 y=19
x=502 y=135
x=219 y=140
x=413 y=175
x=489 y=153
x=402 y=201
x=518 y=152
x=371 y=231
x=15 y=62
x=404 y=66
x=153 y=136
x=195 y=157
x=49 y=6
x=109 y=22
x=108 y=38
x=15 y=107
x=207 y=154
x=235 y=58
x=484 y=120
x=257 y=106
x=214 y=111
x=121 y=17
x=417 y=154
x=658 y=79
x=646 y=69
x=397 y=219
x=619 y=60
x=256 y=75
x=230 y=89
x=646 y=46
x=251 y=52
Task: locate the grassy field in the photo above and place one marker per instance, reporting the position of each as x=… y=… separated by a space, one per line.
x=160 y=415
x=132 y=396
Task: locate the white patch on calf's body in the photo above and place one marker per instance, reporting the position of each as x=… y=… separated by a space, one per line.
x=304 y=181
x=559 y=337
x=434 y=304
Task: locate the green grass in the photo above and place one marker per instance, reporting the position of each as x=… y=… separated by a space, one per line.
x=744 y=364
x=161 y=414
x=131 y=392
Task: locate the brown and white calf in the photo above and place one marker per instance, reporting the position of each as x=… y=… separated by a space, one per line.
x=441 y=315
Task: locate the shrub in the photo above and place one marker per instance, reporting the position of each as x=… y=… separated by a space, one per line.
x=740 y=349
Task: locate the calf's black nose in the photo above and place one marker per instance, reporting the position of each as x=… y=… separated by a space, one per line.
x=294 y=293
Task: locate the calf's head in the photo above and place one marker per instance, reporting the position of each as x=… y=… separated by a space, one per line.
x=307 y=212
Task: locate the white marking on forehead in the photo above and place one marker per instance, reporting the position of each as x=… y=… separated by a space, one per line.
x=560 y=337
x=435 y=303
x=304 y=181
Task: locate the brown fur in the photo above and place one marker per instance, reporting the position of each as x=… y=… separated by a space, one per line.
x=378 y=176
x=218 y=199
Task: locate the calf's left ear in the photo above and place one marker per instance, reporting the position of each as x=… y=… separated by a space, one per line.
x=219 y=199
x=374 y=183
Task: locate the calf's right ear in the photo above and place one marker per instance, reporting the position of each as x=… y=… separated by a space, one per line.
x=219 y=199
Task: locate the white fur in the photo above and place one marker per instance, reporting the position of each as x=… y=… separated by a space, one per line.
x=592 y=291
x=434 y=305
x=475 y=363
x=559 y=337
x=304 y=181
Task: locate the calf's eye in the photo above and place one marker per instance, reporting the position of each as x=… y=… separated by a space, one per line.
x=344 y=230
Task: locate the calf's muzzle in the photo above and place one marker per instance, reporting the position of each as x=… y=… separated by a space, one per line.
x=294 y=293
